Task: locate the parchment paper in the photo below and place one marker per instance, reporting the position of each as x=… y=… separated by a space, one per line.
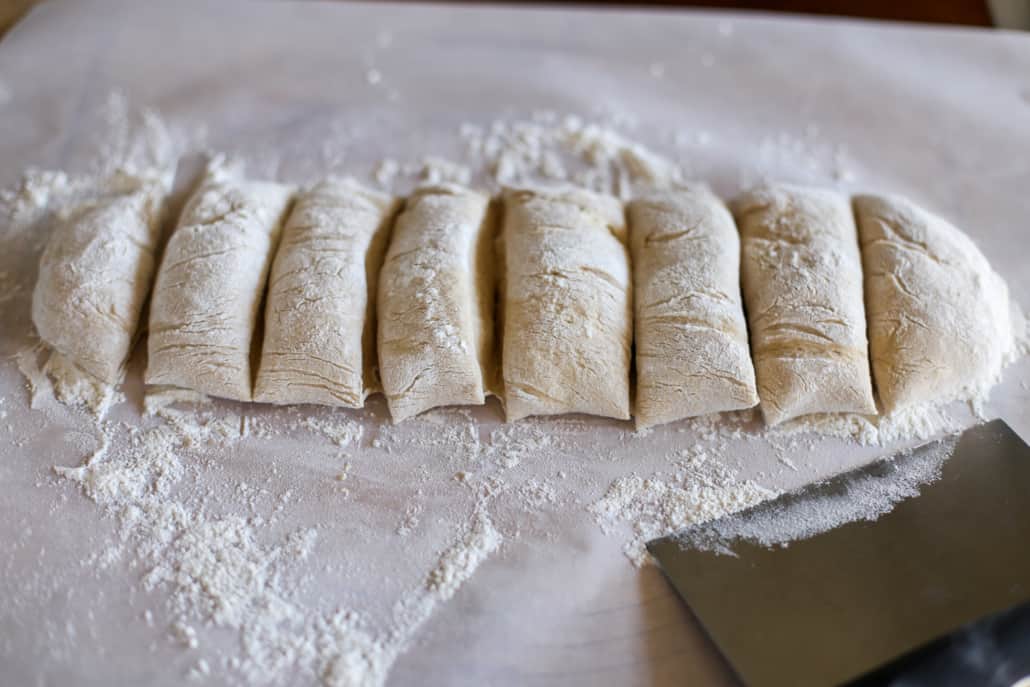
x=942 y=115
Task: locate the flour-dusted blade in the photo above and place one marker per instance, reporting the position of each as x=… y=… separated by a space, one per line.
x=830 y=608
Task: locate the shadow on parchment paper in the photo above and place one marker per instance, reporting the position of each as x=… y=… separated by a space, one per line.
x=678 y=651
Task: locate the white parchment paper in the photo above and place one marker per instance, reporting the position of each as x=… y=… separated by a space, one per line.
x=942 y=115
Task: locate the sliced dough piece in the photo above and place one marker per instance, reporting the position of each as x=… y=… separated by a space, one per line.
x=567 y=304
x=96 y=273
x=939 y=325
x=802 y=282
x=691 y=338
x=319 y=341
x=436 y=301
x=209 y=288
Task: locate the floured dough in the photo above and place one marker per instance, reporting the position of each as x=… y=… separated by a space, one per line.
x=209 y=289
x=95 y=275
x=567 y=304
x=436 y=298
x=319 y=341
x=802 y=283
x=939 y=324
x=691 y=338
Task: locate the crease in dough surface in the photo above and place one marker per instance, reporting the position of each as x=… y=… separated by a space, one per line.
x=95 y=275
x=567 y=304
x=802 y=283
x=939 y=326
x=210 y=285
x=692 y=355
x=319 y=336
x=436 y=302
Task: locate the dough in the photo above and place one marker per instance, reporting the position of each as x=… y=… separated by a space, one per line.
x=567 y=304
x=436 y=298
x=95 y=275
x=939 y=323
x=691 y=338
x=210 y=285
x=319 y=343
x=802 y=283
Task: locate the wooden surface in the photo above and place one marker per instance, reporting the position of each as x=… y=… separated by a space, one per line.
x=967 y=12
x=11 y=11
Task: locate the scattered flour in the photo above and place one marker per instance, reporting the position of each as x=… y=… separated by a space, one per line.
x=550 y=147
x=914 y=423
x=218 y=570
x=700 y=490
x=234 y=570
x=410 y=520
x=342 y=432
x=872 y=492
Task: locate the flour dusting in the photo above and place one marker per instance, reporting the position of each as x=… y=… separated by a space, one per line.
x=221 y=570
x=868 y=495
x=204 y=496
x=699 y=490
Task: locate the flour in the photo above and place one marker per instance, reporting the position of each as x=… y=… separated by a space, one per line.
x=508 y=446
x=410 y=520
x=868 y=495
x=49 y=375
x=805 y=157
x=699 y=490
x=137 y=140
x=74 y=387
x=539 y=494
x=219 y=570
x=914 y=423
x=37 y=190
x=549 y=147
x=342 y=432
x=455 y=566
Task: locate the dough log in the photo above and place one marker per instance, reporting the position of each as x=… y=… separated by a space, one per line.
x=95 y=275
x=319 y=341
x=436 y=301
x=691 y=338
x=567 y=304
x=209 y=289
x=802 y=283
x=939 y=324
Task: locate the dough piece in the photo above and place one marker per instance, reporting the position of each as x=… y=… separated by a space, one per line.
x=802 y=282
x=319 y=342
x=95 y=275
x=210 y=285
x=436 y=301
x=691 y=338
x=567 y=304
x=939 y=325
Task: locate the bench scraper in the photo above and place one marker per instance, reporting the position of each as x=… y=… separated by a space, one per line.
x=934 y=592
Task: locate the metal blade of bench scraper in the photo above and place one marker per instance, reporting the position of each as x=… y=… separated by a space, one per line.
x=828 y=609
